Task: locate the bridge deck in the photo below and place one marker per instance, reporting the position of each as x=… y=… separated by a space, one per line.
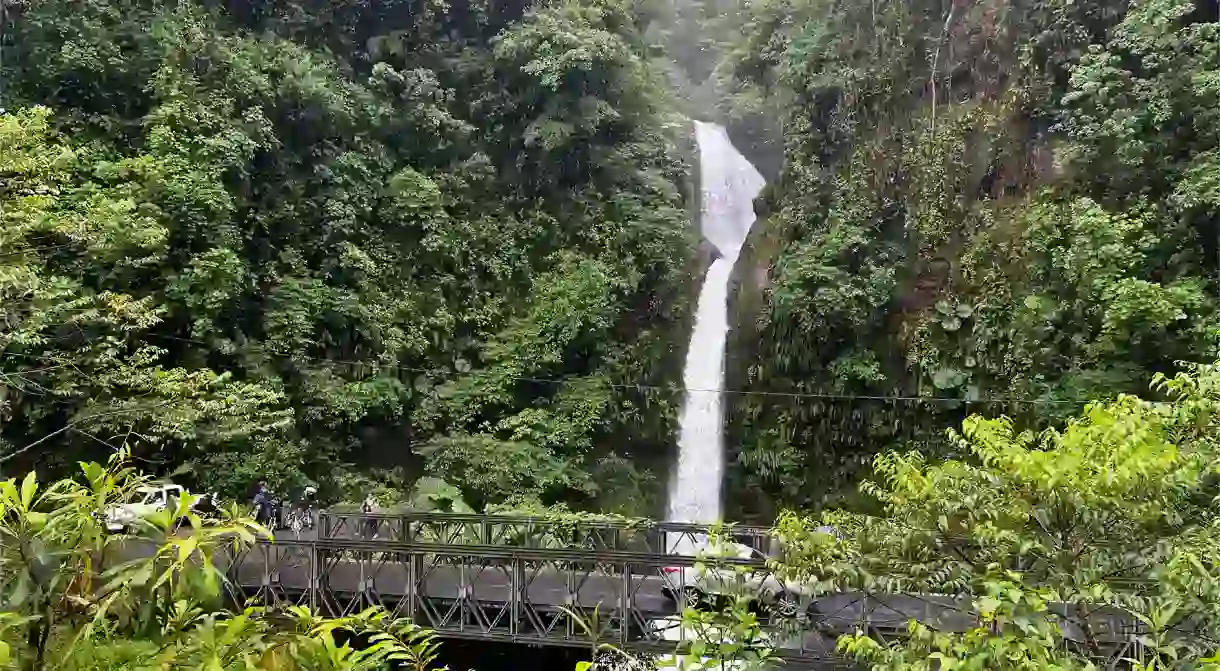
x=520 y=580
x=462 y=593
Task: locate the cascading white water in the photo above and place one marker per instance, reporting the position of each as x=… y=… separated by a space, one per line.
x=730 y=184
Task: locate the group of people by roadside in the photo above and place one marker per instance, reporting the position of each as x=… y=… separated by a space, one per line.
x=269 y=509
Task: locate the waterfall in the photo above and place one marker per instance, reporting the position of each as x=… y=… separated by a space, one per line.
x=729 y=185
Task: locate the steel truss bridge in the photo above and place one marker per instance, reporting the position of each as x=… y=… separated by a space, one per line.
x=558 y=583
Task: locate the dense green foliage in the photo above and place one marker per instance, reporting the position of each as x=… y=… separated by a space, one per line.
x=979 y=201
x=76 y=598
x=327 y=241
x=444 y=253
x=1040 y=539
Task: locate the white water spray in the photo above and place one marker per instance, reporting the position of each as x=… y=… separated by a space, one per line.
x=729 y=184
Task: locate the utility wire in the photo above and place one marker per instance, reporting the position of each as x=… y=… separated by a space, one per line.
x=33 y=250
x=618 y=385
x=995 y=400
x=73 y=424
x=636 y=387
x=646 y=387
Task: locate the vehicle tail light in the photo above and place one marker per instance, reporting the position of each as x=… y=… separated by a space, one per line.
x=671 y=569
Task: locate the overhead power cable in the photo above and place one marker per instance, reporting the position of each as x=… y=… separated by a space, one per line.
x=654 y=388
x=993 y=400
x=35 y=250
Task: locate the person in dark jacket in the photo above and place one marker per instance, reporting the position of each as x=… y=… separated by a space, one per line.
x=207 y=505
x=262 y=503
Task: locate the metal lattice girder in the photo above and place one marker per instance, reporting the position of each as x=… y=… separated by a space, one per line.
x=362 y=527
x=572 y=598
x=532 y=595
x=271 y=574
x=535 y=581
x=453 y=529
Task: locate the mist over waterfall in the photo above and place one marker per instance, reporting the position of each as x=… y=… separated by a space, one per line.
x=729 y=185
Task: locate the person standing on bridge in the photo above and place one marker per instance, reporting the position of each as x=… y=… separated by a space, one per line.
x=262 y=503
x=369 y=507
x=305 y=506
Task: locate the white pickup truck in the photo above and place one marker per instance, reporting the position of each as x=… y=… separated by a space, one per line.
x=695 y=586
x=149 y=499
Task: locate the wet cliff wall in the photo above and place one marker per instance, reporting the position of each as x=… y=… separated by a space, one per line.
x=968 y=219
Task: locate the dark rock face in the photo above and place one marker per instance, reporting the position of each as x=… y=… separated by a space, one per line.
x=759 y=141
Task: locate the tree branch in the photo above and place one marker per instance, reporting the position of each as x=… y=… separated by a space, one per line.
x=72 y=425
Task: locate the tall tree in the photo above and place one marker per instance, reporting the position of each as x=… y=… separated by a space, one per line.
x=393 y=223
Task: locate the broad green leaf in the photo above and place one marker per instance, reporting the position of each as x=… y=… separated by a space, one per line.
x=29 y=487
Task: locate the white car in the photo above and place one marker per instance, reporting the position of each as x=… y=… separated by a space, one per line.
x=694 y=586
x=149 y=499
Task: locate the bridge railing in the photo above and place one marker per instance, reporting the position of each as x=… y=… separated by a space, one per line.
x=539 y=596
x=543 y=597
x=448 y=529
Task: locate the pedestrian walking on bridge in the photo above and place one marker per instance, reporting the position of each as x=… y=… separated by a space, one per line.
x=369 y=507
x=262 y=503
